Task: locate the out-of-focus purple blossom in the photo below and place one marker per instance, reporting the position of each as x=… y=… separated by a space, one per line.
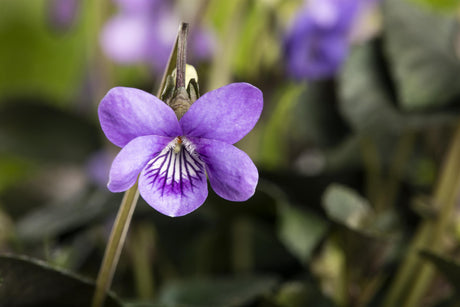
x=98 y=167
x=145 y=30
x=62 y=13
x=174 y=156
x=318 y=40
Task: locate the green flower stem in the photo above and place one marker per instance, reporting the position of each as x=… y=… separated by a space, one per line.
x=415 y=273
x=114 y=246
x=125 y=213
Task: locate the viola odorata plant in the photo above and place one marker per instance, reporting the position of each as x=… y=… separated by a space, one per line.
x=173 y=157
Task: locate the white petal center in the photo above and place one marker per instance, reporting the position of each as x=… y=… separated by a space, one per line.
x=176 y=168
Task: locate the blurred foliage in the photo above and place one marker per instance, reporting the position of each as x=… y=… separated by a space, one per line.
x=27 y=282
x=353 y=184
x=445 y=5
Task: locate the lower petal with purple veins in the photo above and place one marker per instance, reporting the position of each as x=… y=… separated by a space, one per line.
x=174 y=182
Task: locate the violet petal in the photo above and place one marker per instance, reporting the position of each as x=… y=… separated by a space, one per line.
x=226 y=114
x=231 y=172
x=132 y=159
x=312 y=52
x=140 y=6
x=174 y=182
x=126 y=113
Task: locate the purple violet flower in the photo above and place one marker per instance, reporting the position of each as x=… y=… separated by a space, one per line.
x=318 y=41
x=173 y=156
x=144 y=31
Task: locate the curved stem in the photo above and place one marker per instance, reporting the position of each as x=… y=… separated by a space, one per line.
x=415 y=274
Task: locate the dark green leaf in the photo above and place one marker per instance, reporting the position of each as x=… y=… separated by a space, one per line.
x=345 y=206
x=217 y=292
x=56 y=219
x=299 y=294
x=45 y=133
x=300 y=231
x=420 y=47
x=364 y=101
x=447 y=267
x=28 y=282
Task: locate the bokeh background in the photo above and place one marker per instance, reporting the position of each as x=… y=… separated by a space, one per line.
x=358 y=150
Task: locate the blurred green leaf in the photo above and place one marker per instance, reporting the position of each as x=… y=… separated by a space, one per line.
x=447 y=267
x=316 y=118
x=12 y=170
x=299 y=294
x=29 y=282
x=256 y=45
x=345 y=206
x=46 y=133
x=34 y=60
x=364 y=99
x=275 y=138
x=447 y=5
x=56 y=219
x=300 y=231
x=217 y=292
x=420 y=46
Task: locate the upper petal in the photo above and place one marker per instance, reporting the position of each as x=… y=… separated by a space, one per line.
x=226 y=114
x=231 y=172
x=126 y=113
x=174 y=182
x=132 y=159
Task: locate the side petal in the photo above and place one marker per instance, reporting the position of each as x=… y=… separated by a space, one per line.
x=132 y=159
x=174 y=182
x=226 y=114
x=231 y=172
x=126 y=113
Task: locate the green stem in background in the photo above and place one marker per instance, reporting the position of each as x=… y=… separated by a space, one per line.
x=100 y=67
x=400 y=157
x=221 y=68
x=382 y=189
x=123 y=220
x=415 y=274
x=445 y=198
x=242 y=237
x=141 y=248
x=372 y=165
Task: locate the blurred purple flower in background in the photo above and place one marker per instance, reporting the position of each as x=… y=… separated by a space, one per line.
x=318 y=40
x=145 y=30
x=98 y=167
x=62 y=13
x=173 y=156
